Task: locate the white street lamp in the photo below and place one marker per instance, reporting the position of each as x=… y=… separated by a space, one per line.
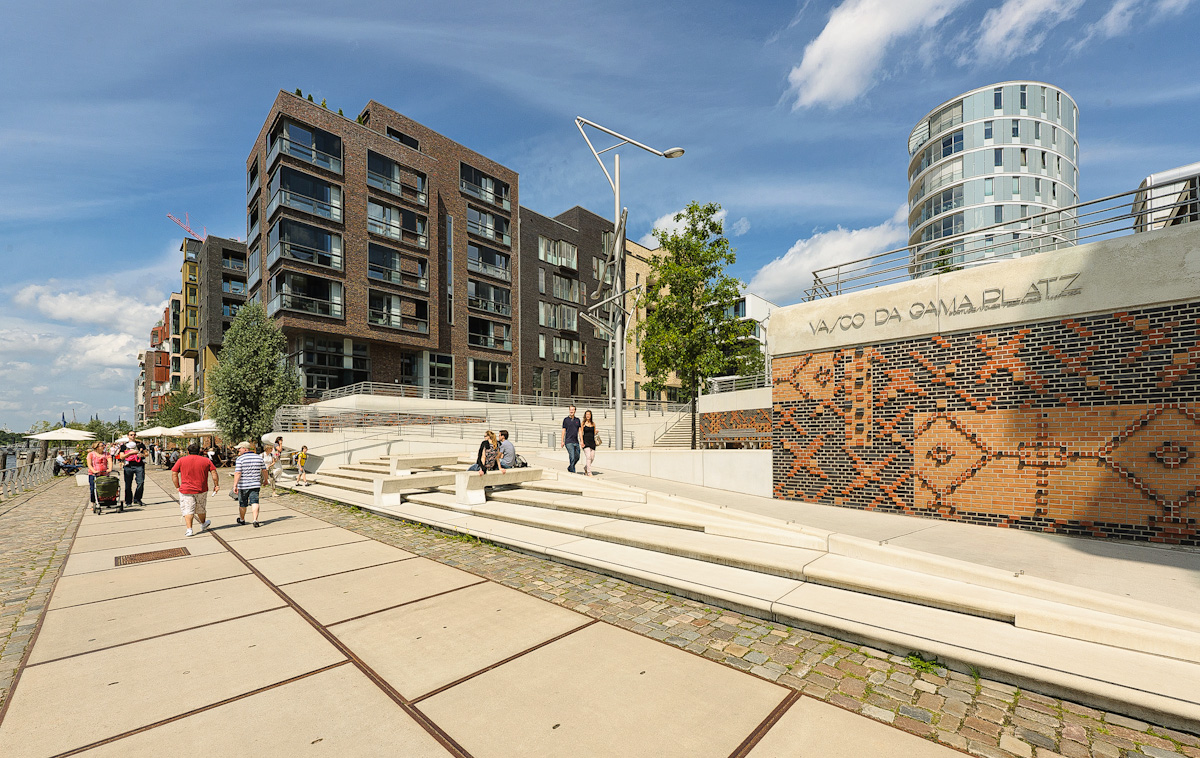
x=616 y=261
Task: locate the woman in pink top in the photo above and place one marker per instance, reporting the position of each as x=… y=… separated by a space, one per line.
x=97 y=465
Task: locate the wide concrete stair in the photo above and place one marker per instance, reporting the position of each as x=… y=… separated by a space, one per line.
x=1108 y=651
x=678 y=435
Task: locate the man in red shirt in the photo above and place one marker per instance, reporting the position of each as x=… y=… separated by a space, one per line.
x=194 y=470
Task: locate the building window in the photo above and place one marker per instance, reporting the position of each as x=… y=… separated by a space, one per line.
x=316 y=146
x=541 y=281
x=385 y=174
x=567 y=289
x=399 y=224
x=1024 y=158
x=1043 y=160
x=998 y=157
x=450 y=270
x=488 y=261
x=403 y=138
x=569 y=351
x=490 y=376
x=541 y=346
x=997 y=98
x=1024 y=97
x=1016 y=186
x=537 y=381
x=987 y=187
x=489 y=334
x=391 y=310
x=1054 y=136
x=441 y=371
x=297 y=190
x=488 y=225
x=480 y=185
x=552 y=384
x=558 y=252
x=999 y=215
x=488 y=297
x=1037 y=189
x=987 y=129
x=304 y=242
x=391 y=266
x=1016 y=129
x=1037 y=130
x=558 y=316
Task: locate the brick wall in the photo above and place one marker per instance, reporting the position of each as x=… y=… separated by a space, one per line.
x=1085 y=426
x=752 y=420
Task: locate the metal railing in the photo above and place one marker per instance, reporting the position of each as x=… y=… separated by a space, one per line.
x=398 y=188
x=491 y=306
x=289 y=302
x=490 y=342
x=488 y=196
x=489 y=232
x=734 y=383
x=304 y=254
x=397 y=320
x=14 y=481
x=490 y=269
x=392 y=230
x=304 y=203
x=306 y=153
x=1111 y=216
x=637 y=407
x=397 y=276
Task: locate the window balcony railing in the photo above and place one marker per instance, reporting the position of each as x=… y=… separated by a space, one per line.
x=253 y=279
x=304 y=254
x=491 y=306
x=947 y=122
x=500 y=272
x=285 y=301
x=486 y=195
x=397 y=232
x=942 y=181
x=399 y=189
x=488 y=341
x=490 y=232
x=398 y=321
x=254 y=186
x=392 y=276
x=233 y=288
x=233 y=264
x=304 y=203
x=285 y=146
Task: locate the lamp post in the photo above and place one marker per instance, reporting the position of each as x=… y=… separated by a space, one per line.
x=616 y=261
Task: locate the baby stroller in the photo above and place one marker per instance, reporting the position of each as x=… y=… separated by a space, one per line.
x=108 y=494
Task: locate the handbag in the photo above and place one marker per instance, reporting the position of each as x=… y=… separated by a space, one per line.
x=599 y=441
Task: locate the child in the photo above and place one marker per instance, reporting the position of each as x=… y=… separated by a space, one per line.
x=301 y=461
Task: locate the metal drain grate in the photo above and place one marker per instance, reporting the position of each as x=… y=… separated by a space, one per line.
x=155 y=555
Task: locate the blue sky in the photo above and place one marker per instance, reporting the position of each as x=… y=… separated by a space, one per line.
x=795 y=117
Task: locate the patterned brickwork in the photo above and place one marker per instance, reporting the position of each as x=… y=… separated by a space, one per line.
x=1086 y=426
x=720 y=429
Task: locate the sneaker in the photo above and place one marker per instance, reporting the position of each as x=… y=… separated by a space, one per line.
x=257 y=525
x=140 y=504
x=206 y=525
x=188 y=533
x=241 y=522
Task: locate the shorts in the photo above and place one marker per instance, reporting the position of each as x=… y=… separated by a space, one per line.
x=247 y=498
x=189 y=504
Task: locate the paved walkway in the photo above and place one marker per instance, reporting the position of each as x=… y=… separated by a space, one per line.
x=333 y=628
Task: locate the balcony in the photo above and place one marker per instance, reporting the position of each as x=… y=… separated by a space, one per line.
x=303 y=203
x=474 y=227
x=233 y=287
x=395 y=320
x=493 y=343
x=393 y=276
x=311 y=155
x=285 y=301
x=489 y=269
x=404 y=190
x=253 y=190
x=491 y=306
x=486 y=195
x=190 y=342
x=397 y=232
x=234 y=264
x=304 y=254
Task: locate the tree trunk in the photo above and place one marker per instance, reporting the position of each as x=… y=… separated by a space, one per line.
x=694 y=417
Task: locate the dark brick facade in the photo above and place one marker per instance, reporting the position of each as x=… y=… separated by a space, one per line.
x=220 y=276
x=586 y=231
x=721 y=429
x=1085 y=426
x=396 y=352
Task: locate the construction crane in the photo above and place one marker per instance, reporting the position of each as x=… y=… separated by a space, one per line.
x=186 y=224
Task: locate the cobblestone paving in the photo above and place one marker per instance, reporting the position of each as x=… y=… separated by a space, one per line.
x=35 y=534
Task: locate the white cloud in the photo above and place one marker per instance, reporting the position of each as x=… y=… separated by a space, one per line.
x=101 y=351
x=1171 y=7
x=1124 y=16
x=105 y=307
x=841 y=63
x=739 y=227
x=668 y=224
x=25 y=342
x=1019 y=27
x=41 y=389
x=784 y=279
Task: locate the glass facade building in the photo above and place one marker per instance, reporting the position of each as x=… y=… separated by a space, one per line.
x=994 y=161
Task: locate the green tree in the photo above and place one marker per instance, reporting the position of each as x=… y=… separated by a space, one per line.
x=173 y=413
x=944 y=261
x=689 y=328
x=252 y=379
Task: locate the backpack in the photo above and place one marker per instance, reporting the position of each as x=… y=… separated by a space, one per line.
x=521 y=463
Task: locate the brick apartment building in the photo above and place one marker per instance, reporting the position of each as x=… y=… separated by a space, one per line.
x=221 y=291
x=386 y=251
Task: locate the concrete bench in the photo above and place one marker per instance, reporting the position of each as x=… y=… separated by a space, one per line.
x=402 y=465
x=470 y=487
x=389 y=490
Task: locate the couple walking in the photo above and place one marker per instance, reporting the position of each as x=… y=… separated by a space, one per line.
x=580 y=434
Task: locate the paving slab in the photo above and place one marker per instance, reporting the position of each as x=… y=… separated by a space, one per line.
x=337 y=598
x=145 y=577
x=84 y=628
x=603 y=691
x=102 y=560
x=334 y=713
x=278 y=544
x=310 y=564
x=117 y=690
x=126 y=539
x=813 y=729
x=98 y=526
x=433 y=642
x=280 y=523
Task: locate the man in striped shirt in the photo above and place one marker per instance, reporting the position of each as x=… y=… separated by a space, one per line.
x=247 y=479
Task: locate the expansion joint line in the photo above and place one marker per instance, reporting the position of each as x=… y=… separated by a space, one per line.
x=761 y=730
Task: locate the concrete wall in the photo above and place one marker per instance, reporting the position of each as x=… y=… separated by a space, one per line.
x=328 y=449
x=1058 y=392
x=740 y=400
x=745 y=471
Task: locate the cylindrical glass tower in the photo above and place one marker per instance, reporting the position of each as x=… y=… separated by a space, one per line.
x=994 y=155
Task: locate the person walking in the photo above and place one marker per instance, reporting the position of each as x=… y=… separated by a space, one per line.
x=133 y=456
x=247 y=480
x=97 y=465
x=488 y=457
x=301 y=462
x=588 y=440
x=508 y=452
x=190 y=476
x=570 y=438
x=276 y=464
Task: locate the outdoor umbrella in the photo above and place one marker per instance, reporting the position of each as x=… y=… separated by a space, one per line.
x=62 y=435
x=154 y=431
x=194 y=429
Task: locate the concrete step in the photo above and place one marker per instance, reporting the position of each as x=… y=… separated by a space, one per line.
x=595 y=506
x=359 y=488
x=582 y=486
x=334 y=493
